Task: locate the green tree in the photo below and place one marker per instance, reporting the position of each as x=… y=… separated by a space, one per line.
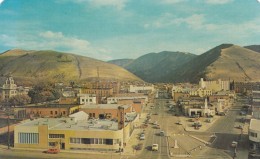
x=19 y=100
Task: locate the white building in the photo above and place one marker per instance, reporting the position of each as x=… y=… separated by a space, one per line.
x=9 y=89
x=142 y=88
x=215 y=86
x=87 y=99
x=254 y=134
x=130 y=96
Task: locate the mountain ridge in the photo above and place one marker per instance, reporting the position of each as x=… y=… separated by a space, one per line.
x=58 y=66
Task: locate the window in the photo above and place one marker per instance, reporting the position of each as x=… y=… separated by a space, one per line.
x=56 y=112
x=51 y=112
x=57 y=136
x=75 y=140
x=64 y=112
x=28 y=138
x=52 y=143
x=252 y=134
x=82 y=100
x=94 y=141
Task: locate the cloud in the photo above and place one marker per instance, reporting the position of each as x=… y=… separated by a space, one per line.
x=1 y=1
x=195 y=21
x=118 y=4
x=49 y=40
x=218 y=1
x=172 y=1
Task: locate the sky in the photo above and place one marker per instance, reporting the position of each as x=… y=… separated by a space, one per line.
x=116 y=29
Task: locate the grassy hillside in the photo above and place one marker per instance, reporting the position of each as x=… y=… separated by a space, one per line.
x=151 y=67
x=226 y=61
x=121 y=62
x=236 y=63
x=57 y=66
x=255 y=48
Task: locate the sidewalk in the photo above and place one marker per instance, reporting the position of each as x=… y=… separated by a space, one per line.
x=134 y=139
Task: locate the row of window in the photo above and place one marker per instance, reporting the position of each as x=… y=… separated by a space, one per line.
x=86 y=100
x=94 y=141
x=56 y=136
x=28 y=138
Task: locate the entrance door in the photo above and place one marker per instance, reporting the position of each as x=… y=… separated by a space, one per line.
x=63 y=146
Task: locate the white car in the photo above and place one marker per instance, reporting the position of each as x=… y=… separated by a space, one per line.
x=142 y=137
x=155 y=147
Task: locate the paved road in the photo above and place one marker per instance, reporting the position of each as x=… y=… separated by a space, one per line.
x=153 y=136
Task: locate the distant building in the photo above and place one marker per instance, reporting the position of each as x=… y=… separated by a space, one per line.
x=215 y=86
x=9 y=89
x=141 y=88
x=256 y=104
x=104 y=111
x=246 y=87
x=50 y=110
x=86 y=99
x=201 y=92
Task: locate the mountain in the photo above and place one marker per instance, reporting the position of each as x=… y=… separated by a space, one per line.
x=226 y=61
x=255 y=48
x=121 y=62
x=151 y=67
x=56 y=66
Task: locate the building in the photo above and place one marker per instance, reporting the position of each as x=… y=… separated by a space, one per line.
x=127 y=96
x=50 y=110
x=9 y=89
x=201 y=92
x=215 y=86
x=86 y=99
x=104 y=111
x=76 y=132
x=199 y=109
x=246 y=87
x=141 y=88
x=254 y=134
x=256 y=104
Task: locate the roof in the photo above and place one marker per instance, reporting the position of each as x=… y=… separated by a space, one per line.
x=51 y=106
x=103 y=106
x=130 y=95
x=254 y=125
x=71 y=124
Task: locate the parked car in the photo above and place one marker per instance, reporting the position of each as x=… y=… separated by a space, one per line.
x=155 y=147
x=161 y=133
x=53 y=150
x=142 y=137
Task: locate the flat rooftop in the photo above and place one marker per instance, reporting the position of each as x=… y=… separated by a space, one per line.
x=51 y=106
x=104 y=106
x=67 y=123
x=254 y=124
x=70 y=124
x=130 y=95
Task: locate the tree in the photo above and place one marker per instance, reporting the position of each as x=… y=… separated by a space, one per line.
x=19 y=100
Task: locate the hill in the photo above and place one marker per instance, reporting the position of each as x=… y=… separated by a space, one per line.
x=255 y=48
x=121 y=62
x=151 y=67
x=226 y=61
x=57 y=66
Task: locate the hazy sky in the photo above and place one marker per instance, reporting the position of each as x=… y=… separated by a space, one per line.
x=113 y=29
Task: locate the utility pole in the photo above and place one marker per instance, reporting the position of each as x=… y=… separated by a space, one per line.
x=8 y=123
